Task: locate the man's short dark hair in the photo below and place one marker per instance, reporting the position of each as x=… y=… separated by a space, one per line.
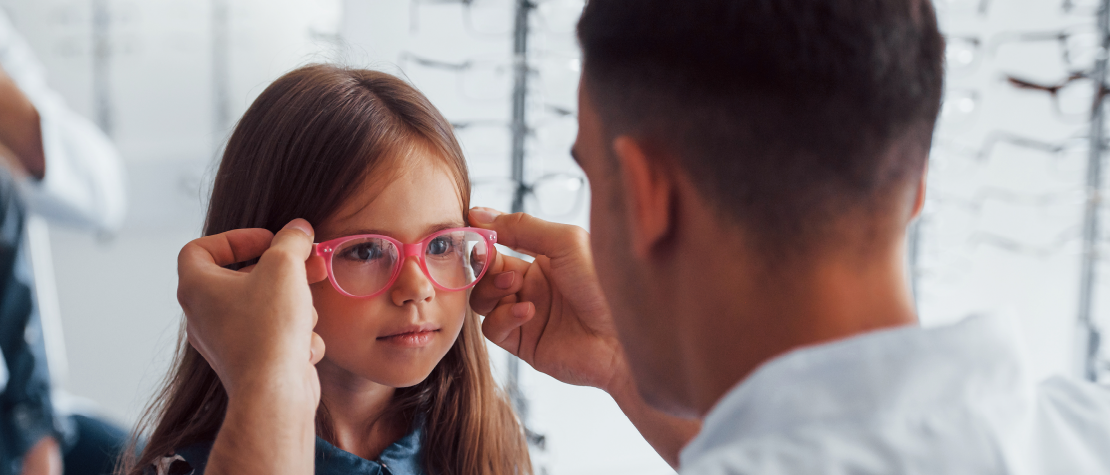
x=785 y=112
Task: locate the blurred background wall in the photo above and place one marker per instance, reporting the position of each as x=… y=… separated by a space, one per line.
x=1002 y=230
x=167 y=79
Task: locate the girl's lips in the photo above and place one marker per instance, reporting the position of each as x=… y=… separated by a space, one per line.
x=414 y=339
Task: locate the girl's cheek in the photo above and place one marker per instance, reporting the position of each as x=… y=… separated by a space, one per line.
x=340 y=313
x=455 y=306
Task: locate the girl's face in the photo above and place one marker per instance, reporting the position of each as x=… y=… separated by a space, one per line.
x=398 y=337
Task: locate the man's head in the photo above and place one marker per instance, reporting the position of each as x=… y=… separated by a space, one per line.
x=801 y=127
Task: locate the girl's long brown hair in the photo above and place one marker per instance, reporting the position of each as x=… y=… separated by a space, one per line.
x=304 y=146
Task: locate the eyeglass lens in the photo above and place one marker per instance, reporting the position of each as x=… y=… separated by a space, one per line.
x=365 y=266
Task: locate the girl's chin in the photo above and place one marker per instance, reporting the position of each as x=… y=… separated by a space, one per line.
x=392 y=362
x=397 y=375
x=402 y=381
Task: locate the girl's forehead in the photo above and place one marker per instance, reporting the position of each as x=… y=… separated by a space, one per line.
x=405 y=203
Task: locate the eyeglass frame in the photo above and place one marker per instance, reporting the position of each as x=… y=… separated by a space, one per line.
x=1053 y=90
x=528 y=188
x=468 y=19
x=1059 y=36
x=327 y=250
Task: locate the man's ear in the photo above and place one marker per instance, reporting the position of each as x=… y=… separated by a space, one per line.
x=919 y=199
x=648 y=193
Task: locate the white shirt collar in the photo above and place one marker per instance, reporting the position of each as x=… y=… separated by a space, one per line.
x=864 y=377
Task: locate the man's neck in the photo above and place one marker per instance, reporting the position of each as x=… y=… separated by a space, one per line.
x=741 y=319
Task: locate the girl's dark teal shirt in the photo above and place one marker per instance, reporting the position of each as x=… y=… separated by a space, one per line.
x=401 y=458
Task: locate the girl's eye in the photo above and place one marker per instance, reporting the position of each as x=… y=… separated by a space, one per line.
x=440 y=246
x=363 y=252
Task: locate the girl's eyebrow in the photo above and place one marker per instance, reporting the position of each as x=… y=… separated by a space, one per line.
x=428 y=230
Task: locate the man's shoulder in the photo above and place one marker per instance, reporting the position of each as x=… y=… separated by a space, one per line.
x=947 y=440
x=1073 y=420
x=1074 y=397
x=1062 y=426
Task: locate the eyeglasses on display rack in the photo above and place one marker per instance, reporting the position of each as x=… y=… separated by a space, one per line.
x=1067 y=158
x=479 y=17
x=978 y=7
x=1080 y=7
x=1074 y=97
x=494 y=18
x=476 y=79
x=1078 y=45
x=983 y=152
x=365 y=265
x=982 y=7
x=959 y=107
x=1058 y=244
x=487 y=80
x=1069 y=188
x=553 y=196
x=961 y=53
x=981 y=198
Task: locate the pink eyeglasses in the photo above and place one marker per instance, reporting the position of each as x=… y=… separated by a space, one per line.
x=365 y=265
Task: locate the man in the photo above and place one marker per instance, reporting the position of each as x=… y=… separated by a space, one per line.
x=754 y=166
x=58 y=165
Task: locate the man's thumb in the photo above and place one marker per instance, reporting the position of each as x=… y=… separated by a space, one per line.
x=292 y=245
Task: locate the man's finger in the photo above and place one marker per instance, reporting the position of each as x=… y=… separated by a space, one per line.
x=502 y=325
x=224 y=249
x=201 y=262
x=291 y=245
x=316 y=353
x=530 y=234
x=505 y=277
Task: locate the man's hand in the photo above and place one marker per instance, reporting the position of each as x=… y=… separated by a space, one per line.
x=20 y=132
x=254 y=327
x=552 y=314
x=45 y=458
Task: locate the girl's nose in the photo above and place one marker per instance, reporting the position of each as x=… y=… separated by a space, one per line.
x=412 y=285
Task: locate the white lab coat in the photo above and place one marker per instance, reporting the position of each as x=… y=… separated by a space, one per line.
x=84 y=180
x=949 y=400
x=83 y=185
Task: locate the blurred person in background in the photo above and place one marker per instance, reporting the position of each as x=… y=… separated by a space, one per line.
x=61 y=167
x=754 y=167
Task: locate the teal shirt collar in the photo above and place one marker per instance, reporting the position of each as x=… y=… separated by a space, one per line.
x=401 y=458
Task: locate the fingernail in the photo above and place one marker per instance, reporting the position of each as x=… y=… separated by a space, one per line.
x=483 y=215
x=300 y=225
x=504 y=280
x=522 y=309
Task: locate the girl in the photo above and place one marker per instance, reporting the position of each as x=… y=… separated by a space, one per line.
x=405 y=381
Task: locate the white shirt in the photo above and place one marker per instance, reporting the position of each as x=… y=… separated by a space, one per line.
x=948 y=400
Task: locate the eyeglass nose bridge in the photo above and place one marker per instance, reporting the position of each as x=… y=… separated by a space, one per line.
x=416 y=252
x=415 y=249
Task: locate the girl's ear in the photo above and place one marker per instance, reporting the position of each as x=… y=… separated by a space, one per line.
x=648 y=193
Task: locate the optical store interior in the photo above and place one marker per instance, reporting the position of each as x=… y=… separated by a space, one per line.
x=1013 y=222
